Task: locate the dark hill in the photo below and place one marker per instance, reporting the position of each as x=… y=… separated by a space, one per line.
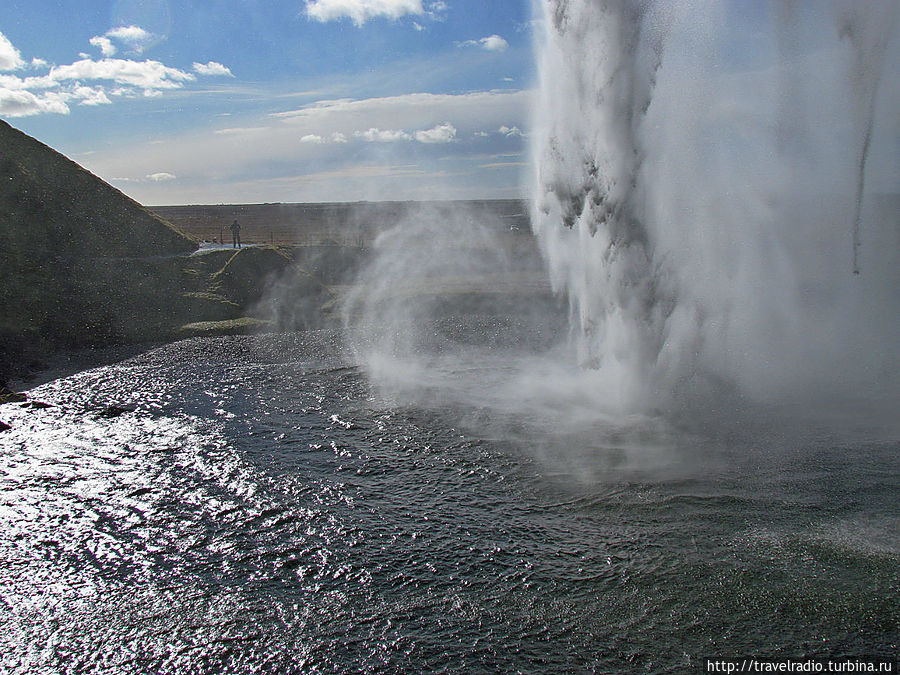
x=75 y=254
x=47 y=201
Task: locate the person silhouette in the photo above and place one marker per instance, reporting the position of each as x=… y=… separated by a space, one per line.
x=236 y=234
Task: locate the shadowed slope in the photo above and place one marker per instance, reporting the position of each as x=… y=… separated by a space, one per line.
x=74 y=252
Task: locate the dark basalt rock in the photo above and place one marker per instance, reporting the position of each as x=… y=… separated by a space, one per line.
x=112 y=411
x=37 y=405
x=9 y=396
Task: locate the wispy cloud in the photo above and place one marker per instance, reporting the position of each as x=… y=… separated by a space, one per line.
x=502 y=165
x=492 y=43
x=159 y=177
x=303 y=152
x=130 y=38
x=241 y=130
x=419 y=103
x=360 y=11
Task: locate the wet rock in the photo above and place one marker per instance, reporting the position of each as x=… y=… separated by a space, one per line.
x=9 y=396
x=37 y=405
x=112 y=411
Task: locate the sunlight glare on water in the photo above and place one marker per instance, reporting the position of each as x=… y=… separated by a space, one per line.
x=256 y=512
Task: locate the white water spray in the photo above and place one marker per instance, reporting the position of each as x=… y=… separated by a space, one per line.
x=702 y=171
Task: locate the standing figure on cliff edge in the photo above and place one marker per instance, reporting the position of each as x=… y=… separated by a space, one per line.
x=236 y=234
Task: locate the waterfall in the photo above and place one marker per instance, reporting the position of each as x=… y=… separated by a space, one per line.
x=702 y=170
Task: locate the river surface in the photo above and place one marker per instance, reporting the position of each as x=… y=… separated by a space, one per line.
x=252 y=504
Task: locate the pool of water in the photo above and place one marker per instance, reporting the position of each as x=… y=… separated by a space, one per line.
x=253 y=504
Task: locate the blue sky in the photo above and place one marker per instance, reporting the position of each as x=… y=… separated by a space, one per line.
x=231 y=101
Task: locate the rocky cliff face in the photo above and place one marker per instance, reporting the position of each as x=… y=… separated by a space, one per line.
x=80 y=262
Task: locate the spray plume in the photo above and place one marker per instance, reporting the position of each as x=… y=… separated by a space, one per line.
x=698 y=167
x=693 y=199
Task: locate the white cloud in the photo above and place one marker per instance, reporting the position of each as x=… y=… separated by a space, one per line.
x=131 y=38
x=360 y=11
x=107 y=48
x=82 y=82
x=160 y=177
x=212 y=68
x=262 y=158
x=510 y=131
x=129 y=34
x=90 y=95
x=21 y=103
x=134 y=37
x=336 y=137
x=147 y=75
x=375 y=135
x=492 y=43
x=37 y=95
x=442 y=133
x=10 y=58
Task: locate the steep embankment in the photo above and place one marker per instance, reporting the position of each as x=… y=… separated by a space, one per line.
x=80 y=263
